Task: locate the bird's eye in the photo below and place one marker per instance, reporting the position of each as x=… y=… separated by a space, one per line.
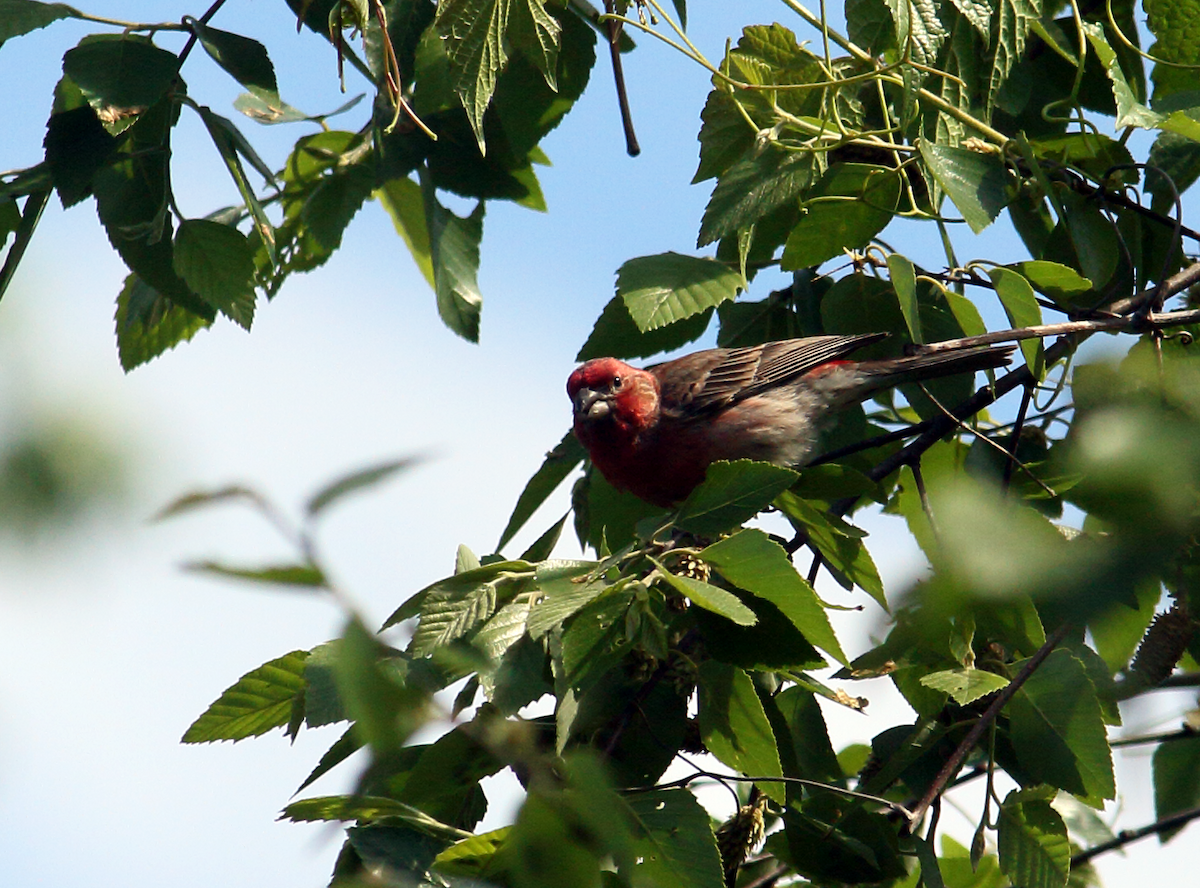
x=617 y=382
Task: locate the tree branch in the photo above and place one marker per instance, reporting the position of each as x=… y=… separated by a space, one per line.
x=950 y=768
x=1127 y=836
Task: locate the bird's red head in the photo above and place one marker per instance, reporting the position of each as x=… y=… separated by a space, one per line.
x=606 y=389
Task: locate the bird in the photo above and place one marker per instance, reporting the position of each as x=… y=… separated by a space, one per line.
x=654 y=431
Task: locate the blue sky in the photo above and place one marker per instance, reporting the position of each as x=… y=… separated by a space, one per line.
x=108 y=650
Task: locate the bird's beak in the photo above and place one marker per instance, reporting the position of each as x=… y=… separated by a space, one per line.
x=591 y=404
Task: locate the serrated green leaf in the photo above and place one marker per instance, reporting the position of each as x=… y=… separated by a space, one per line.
x=471 y=856
x=964 y=685
x=454 y=253
x=839 y=543
x=478 y=35
x=710 y=597
x=1014 y=19
x=1058 y=730
x=504 y=629
x=303 y=576
x=369 y=808
x=560 y=461
x=753 y=188
x=669 y=287
x=732 y=492
x=753 y=561
x=616 y=335
x=259 y=701
x=449 y=615
x=725 y=135
x=459 y=584
x=121 y=70
x=19 y=17
x=851 y=204
x=734 y=725
x=244 y=59
x=342 y=748
x=402 y=200
x=322 y=704
x=974 y=181
x=354 y=482
x=217 y=262
x=562 y=599
x=1130 y=112
x=149 y=324
x=1020 y=304
x=1033 y=845
x=674 y=843
x=1176 y=767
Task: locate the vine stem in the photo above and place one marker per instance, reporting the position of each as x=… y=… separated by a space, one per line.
x=950 y=768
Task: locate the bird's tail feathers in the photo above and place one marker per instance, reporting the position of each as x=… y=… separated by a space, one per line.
x=917 y=368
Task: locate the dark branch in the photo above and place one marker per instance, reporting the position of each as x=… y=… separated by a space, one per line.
x=1127 y=836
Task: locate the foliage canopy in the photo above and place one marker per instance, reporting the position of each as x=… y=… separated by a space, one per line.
x=691 y=632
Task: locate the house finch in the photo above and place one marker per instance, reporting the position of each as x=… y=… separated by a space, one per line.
x=654 y=432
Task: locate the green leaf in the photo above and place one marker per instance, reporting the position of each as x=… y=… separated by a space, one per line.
x=19 y=17
x=1020 y=304
x=477 y=36
x=386 y=711
x=402 y=200
x=753 y=561
x=355 y=482
x=616 y=335
x=1130 y=112
x=217 y=262
x=710 y=597
x=1033 y=845
x=851 y=204
x=904 y=282
x=537 y=34
x=964 y=685
x=245 y=60
x=447 y=615
x=732 y=492
x=810 y=754
x=1060 y=283
x=471 y=856
x=975 y=182
x=669 y=287
x=1175 y=40
x=674 y=843
x=753 y=188
x=149 y=324
x=840 y=544
x=342 y=748
x=504 y=629
x=365 y=807
x=734 y=725
x=230 y=144
x=121 y=70
x=725 y=136
x=1014 y=19
x=562 y=596
x=559 y=462
x=1176 y=767
x=454 y=252
x=1058 y=730
x=259 y=701
x=304 y=576
x=322 y=705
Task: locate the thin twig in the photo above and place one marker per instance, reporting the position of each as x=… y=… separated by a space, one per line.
x=1126 y=836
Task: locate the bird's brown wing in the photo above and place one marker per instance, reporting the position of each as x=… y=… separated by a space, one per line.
x=712 y=379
